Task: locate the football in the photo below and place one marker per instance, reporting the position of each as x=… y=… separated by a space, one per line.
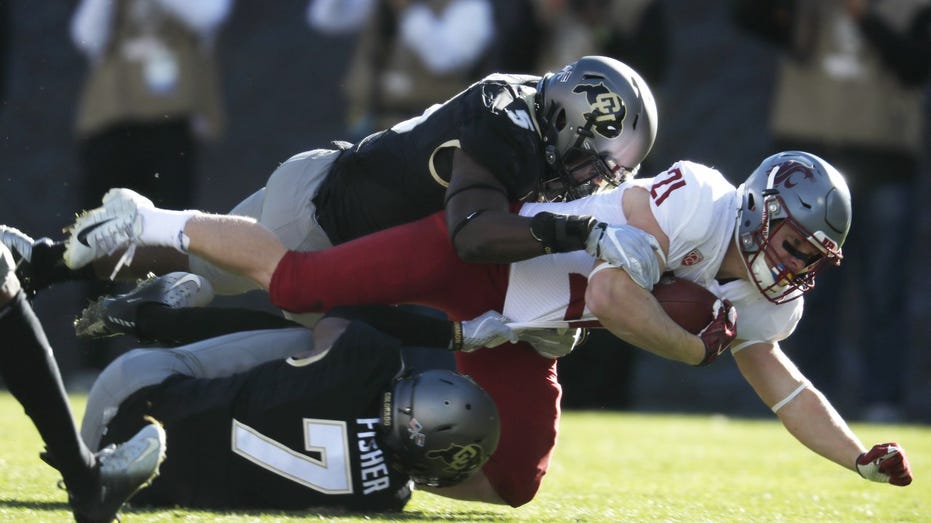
x=686 y=302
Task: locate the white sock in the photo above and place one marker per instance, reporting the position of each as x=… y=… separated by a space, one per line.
x=165 y=228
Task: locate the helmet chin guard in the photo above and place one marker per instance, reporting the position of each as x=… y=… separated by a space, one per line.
x=599 y=122
x=805 y=193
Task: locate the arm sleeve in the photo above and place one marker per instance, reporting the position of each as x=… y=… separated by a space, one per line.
x=163 y=324
x=411 y=328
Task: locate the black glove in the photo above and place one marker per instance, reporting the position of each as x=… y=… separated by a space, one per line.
x=561 y=233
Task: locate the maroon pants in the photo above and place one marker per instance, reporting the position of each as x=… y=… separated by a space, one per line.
x=415 y=263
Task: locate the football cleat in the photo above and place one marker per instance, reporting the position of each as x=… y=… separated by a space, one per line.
x=124 y=470
x=116 y=315
x=103 y=231
x=9 y=283
x=19 y=243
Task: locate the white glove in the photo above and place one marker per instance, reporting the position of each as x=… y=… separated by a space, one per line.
x=629 y=248
x=488 y=330
x=552 y=343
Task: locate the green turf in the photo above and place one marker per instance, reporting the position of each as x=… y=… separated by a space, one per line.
x=607 y=467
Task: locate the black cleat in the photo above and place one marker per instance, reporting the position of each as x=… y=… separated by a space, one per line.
x=116 y=315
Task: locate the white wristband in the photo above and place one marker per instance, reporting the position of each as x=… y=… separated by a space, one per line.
x=165 y=228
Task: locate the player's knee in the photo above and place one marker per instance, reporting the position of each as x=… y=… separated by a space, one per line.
x=518 y=489
x=516 y=477
x=144 y=366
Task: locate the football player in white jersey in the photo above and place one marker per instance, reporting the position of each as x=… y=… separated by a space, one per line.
x=757 y=247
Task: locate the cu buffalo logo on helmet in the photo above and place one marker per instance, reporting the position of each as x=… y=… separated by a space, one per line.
x=607 y=110
x=459 y=458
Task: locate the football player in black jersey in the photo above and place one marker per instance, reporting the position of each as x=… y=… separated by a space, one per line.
x=343 y=424
x=503 y=139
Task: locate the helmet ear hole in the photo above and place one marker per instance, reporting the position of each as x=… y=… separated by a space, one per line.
x=751 y=202
x=560 y=122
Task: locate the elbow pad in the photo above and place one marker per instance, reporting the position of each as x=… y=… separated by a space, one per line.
x=629 y=248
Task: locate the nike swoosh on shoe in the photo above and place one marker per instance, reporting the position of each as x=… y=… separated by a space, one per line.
x=186 y=278
x=151 y=446
x=82 y=234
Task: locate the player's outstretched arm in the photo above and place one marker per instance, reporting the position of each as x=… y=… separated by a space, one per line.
x=811 y=419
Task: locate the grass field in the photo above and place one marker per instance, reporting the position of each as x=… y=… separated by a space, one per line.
x=607 y=467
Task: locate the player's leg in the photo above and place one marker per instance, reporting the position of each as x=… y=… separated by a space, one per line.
x=98 y=485
x=527 y=394
x=410 y=263
x=29 y=369
x=284 y=206
x=213 y=358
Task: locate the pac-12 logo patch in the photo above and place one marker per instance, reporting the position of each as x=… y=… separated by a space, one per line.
x=606 y=108
x=694 y=256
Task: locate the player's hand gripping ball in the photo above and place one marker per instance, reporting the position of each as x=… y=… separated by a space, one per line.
x=699 y=311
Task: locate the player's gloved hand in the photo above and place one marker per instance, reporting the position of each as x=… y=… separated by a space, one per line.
x=488 y=330
x=628 y=247
x=722 y=330
x=885 y=463
x=552 y=343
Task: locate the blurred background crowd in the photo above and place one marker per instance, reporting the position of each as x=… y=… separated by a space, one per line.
x=194 y=103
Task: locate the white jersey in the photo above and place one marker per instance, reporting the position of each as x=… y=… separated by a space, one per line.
x=696 y=207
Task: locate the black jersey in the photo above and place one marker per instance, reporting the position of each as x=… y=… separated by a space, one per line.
x=277 y=436
x=401 y=174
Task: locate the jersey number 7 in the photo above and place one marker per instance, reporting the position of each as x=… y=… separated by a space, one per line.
x=330 y=474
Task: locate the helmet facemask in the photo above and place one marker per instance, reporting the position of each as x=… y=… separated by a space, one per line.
x=776 y=281
x=581 y=169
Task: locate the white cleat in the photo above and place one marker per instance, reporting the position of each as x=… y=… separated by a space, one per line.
x=107 y=229
x=19 y=243
x=9 y=283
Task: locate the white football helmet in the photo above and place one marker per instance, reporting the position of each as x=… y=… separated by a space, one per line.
x=598 y=120
x=798 y=190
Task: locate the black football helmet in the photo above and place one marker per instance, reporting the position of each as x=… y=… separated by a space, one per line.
x=798 y=190
x=598 y=120
x=438 y=426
